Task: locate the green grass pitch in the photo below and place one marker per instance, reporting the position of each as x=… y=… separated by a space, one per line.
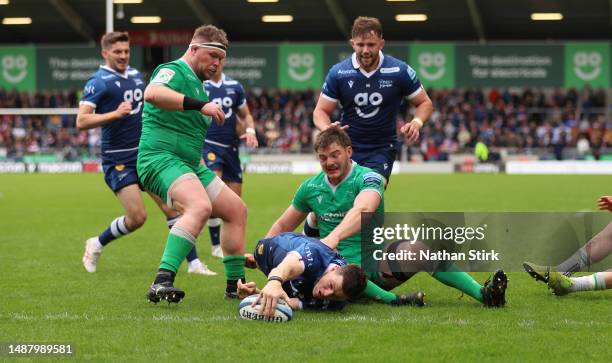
x=46 y=295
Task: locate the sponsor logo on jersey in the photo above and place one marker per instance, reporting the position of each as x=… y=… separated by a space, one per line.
x=319 y=199
x=347 y=71
x=211 y=156
x=260 y=249
x=390 y=70
x=119 y=167
x=350 y=83
x=383 y=83
x=163 y=76
x=118 y=84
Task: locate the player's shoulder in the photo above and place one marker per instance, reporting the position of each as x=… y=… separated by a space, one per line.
x=231 y=82
x=365 y=174
x=343 y=68
x=133 y=73
x=392 y=65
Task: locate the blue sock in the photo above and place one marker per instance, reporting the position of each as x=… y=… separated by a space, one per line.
x=214 y=227
x=116 y=229
x=193 y=255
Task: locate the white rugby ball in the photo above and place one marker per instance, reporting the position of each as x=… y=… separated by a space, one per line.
x=282 y=313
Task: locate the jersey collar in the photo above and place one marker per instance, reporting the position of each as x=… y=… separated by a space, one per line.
x=122 y=75
x=334 y=187
x=381 y=58
x=216 y=84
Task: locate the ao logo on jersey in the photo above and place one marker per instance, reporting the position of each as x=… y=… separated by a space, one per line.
x=131 y=96
x=432 y=65
x=587 y=65
x=301 y=66
x=14 y=68
x=363 y=99
x=225 y=102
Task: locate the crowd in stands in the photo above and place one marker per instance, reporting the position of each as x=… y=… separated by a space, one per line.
x=523 y=121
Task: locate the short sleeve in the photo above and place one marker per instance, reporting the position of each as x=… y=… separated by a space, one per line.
x=330 y=90
x=170 y=77
x=371 y=181
x=94 y=92
x=240 y=96
x=411 y=85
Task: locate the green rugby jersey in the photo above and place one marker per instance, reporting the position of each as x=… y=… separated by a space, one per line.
x=331 y=203
x=180 y=132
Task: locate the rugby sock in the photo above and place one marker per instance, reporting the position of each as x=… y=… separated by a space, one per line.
x=116 y=229
x=178 y=245
x=164 y=275
x=310 y=229
x=453 y=276
x=192 y=256
x=234 y=270
x=578 y=261
x=595 y=281
x=214 y=227
x=170 y=221
x=375 y=292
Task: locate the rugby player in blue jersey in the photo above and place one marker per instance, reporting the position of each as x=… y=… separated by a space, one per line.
x=370 y=88
x=304 y=272
x=222 y=141
x=113 y=99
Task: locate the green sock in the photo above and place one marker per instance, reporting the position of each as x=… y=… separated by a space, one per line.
x=178 y=245
x=455 y=277
x=234 y=267
x=375 y=292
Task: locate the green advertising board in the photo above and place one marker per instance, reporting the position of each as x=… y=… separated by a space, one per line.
x=587 y=64
x=434 y=64
x=253 y=65
x=300 y=66
x=18 y=68
x=70 y=67
x=509 y=65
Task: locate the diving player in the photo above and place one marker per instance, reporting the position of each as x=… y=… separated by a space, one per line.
x=113 y=100
x=221 y=145
x=304 y=272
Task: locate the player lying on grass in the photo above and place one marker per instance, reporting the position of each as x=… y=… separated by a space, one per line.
x=307 y=274
x=338 y=195
x=558 y=277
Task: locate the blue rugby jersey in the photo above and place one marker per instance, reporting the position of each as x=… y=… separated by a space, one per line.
x=104 y=91
x=371 y=101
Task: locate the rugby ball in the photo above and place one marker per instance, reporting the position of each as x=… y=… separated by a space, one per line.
x=282 y=314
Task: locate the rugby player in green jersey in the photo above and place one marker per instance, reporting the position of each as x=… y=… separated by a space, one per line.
x=177 y=114
x=338 y=195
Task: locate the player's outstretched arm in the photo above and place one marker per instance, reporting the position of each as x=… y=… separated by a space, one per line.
x=322 y=113
x=87 y=119
x=287 y=222
x=366 y=201
x=244 y=115
x=170 y=100
x=290 y=268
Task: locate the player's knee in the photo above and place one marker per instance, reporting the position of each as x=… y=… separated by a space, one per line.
x=200 y=209
x=239 y=212
x=136 y=218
